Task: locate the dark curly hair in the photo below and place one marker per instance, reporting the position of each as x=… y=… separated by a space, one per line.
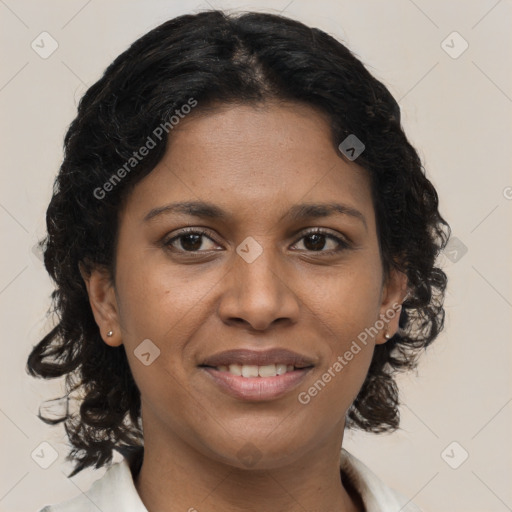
x=217 y=58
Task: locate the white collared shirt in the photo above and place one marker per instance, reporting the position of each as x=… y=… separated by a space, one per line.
x=115 y=491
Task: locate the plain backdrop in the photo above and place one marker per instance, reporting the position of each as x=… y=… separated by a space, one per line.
x=453 y=451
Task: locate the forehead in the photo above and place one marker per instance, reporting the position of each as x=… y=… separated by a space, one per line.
x=261 y=136
x=244 y=157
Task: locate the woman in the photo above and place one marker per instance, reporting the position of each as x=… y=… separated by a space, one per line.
x=243 y=243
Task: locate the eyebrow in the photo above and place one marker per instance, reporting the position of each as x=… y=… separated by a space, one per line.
x=295 y=213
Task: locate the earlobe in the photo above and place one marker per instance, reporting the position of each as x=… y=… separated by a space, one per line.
x=102 y=299
x=393 y=295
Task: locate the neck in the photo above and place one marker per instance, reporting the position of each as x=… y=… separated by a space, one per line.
x=177 y=476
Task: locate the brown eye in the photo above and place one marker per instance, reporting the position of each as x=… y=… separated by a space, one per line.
x=314 y=242
x=190 y=241
x=318 y=240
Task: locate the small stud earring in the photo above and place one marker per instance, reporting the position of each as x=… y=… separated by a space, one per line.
x=110 y=333
x=387 y=335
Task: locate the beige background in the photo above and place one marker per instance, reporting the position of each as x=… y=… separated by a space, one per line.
x=456 y=111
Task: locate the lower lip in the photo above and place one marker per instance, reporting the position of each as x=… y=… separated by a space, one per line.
x=257 y=389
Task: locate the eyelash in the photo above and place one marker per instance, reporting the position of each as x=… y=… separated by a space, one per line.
x=167 y=243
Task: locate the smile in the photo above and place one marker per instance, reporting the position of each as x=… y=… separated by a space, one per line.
x=256 y=383
x=250 y=370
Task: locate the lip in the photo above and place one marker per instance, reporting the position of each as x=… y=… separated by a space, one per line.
x=258 y=358
x=256 y=389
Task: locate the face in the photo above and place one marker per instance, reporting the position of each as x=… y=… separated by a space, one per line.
x=254 y=268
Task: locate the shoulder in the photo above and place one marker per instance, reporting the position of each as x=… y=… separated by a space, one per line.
x=112 y=492
x=376 y=495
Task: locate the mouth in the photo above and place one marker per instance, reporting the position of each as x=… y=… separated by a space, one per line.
x=251 y=383
x=249 y=371
x=277 y=360
x=255 y=375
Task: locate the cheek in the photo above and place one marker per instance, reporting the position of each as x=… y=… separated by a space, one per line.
x=154 y=298
x=346 y=306
x=344 y=323
x=348 y=297
x=166 y=306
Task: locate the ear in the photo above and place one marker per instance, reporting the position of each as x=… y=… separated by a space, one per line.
x=103 y=302
x=394 y=292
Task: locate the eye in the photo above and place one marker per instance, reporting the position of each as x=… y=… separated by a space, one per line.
x=192 y=241
x=317 y=239
x=189 y=240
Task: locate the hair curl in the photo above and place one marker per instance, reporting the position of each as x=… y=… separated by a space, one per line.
x=220 y=58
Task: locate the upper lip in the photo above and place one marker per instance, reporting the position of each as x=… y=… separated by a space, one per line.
x=258 y=358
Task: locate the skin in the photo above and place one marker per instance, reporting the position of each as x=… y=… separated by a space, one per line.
x=254 y=162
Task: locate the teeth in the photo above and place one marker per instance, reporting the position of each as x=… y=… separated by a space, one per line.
x=235 y=369
x=249 y=370
x=281 y=369
x=267 y=371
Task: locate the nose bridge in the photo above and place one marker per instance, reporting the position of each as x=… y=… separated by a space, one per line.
x=256 y=265
x=257 y=289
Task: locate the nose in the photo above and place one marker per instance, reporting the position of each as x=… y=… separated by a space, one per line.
x=259 y=294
